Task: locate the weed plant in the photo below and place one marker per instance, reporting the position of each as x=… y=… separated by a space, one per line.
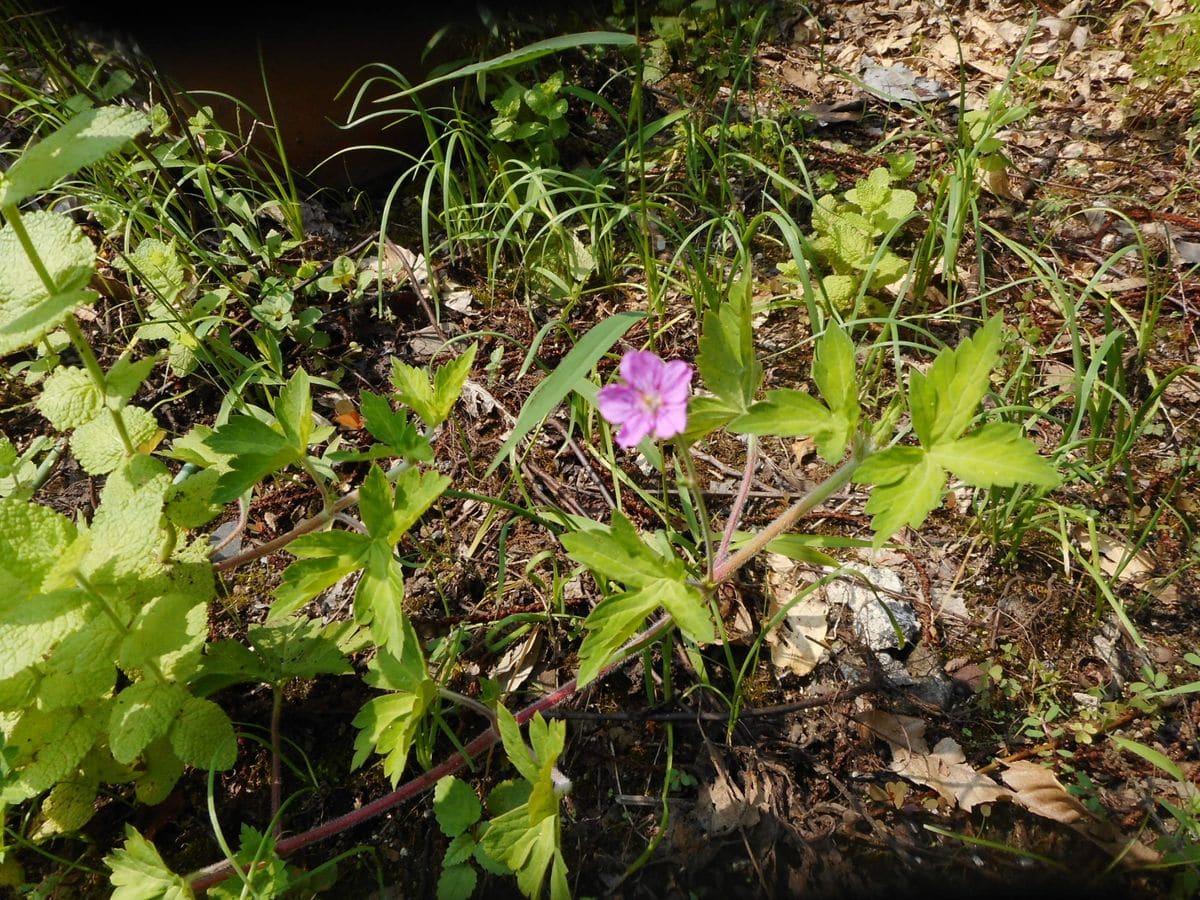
x=113 y=682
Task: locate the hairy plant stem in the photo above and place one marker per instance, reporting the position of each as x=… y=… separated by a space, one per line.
x=739 y=502
x=276 y=768
x=214 y=874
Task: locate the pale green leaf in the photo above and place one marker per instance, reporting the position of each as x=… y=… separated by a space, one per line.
x=69 y=398
x=514 y=745
x=27 y=309
x=31 y=627
x=142 y=712
x=158 y=772
x=85 y=139
x=44 y=748
x=325 y=559
x=376 y=502
x=785 y=413
x=996 y=455
x=81 y=669
x=159 y=266
x=68 y=807
x=705 y=415
x=379 y=598
x=169 y=630
x=202 y=736
x=399 y=665
x=139 y=873
x=414 y=390
x=32 y=540
x=257 y=450
x=449 y=379
x=959 y=379
x=124 y=378
x=835 y=372
x=726 y=359
x=388 y=725
x=98 y=446
x=190 y=503
x=393 y=429
x=415 y=493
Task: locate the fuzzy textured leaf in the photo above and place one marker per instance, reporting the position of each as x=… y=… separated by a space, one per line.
x=85 y=139
x=69 y=398
x=202 y=735
x=27 y=309
x=455 y=805
x=32 y=540
x=142 y=712
x=97 y=445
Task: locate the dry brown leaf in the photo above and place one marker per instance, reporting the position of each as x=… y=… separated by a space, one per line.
x=944 y=768
x=1115 y=552
x=796 y=641
x=1039 y=791
x=516 y=665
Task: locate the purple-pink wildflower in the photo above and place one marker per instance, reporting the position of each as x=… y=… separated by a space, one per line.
x=652 y=401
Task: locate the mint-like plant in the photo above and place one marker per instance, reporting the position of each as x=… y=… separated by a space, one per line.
x=846 y=235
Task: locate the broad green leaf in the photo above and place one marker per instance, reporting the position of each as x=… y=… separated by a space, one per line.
x=159 y=266
x=687 y=607
x=785 y=413
x=293 y=411
x=432 y=401
x=170 y=630
x=834 y=371
x=301 y=648
x=202 y=736
x=81 y=669
x=257 y=451
x=614 y=620
x=30 y=628
x=725 y=361
x=68 y=807
x=190 y=503
x=44 y=748
x=69 y=398
x=324 y=559
x=959 y=380
x=455 y=805
x=388 y=725
x=399 y=665
x=97 y=445
x=996 y=455
x=415 y=493
x=706 y=415
x=32 y=540
x=393 y=429
x=456 y=881
x=514 y=745
x=85 y=139
x=158 y=771
x=376 y=502
x=140 y=714
x=124 y=378
x=565 y=378
x=127 y=538
x=379 y=598
x=619 y=554
x=906 y=501
x=227 y=663
x=139 y=873
x=27 y=309
x=529 y=849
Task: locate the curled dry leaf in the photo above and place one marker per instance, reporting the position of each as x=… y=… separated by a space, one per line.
x=516 y=665
x=944 y=768
x=797 y=641
x=1040 y=792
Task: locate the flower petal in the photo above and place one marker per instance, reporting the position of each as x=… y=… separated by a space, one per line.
x=671 y=420
x=619 y=402
x=635 y=430
x=675 y=381
x=641 y=370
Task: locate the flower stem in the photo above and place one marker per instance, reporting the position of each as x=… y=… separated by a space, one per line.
x=739 y=502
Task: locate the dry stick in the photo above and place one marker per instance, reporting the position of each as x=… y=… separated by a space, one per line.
x=218 y=872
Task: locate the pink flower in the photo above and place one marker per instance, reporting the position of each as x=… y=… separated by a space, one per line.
x=653 y=399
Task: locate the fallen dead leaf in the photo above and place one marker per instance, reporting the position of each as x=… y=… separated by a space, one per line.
x=796 y=642
x=1116 y=554
x=516 y=665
